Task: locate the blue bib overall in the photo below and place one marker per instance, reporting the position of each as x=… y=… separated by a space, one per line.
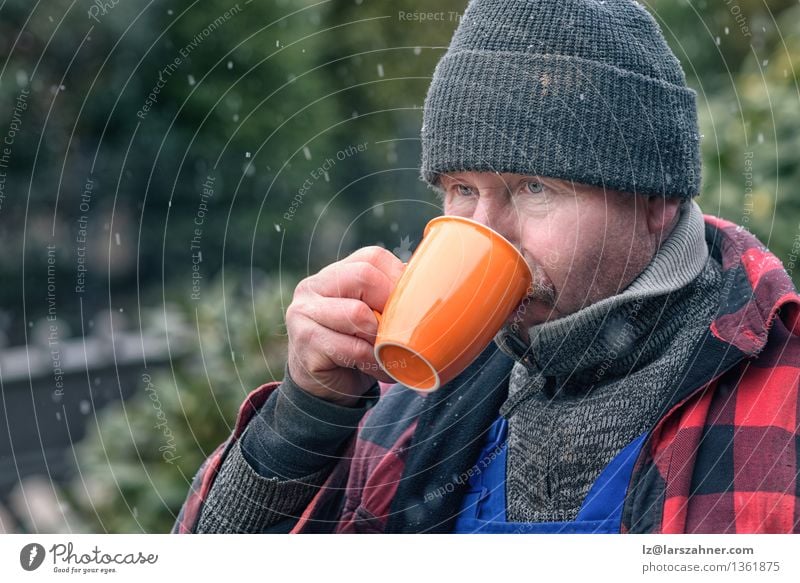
x=484 y=507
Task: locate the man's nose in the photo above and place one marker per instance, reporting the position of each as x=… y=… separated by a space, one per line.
x=500 y=216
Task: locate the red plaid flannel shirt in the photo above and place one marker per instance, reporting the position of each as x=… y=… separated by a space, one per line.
x=723 y=459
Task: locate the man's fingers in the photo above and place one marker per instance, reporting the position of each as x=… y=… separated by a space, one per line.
x=331 y=326
x=338 y=351
x=381 y=258
x=355 y=280
x=348 y=316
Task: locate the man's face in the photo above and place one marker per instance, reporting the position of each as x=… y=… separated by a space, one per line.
x=582 y=243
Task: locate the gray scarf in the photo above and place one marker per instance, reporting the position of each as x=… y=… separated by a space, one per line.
x=601 y=376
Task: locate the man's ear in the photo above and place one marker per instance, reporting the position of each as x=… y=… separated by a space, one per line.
x=662 y=216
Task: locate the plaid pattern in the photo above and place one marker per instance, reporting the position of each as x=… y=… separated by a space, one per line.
x=723 y=458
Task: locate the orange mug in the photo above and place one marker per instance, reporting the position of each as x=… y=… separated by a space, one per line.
x=459 y=287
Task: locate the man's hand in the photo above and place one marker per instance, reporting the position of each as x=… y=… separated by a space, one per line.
x=332 y=328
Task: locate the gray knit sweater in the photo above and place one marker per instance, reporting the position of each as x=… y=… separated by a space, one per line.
x=602 y=375
x=285 y=454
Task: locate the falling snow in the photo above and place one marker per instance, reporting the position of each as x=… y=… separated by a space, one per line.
x=380 y=70
x=230 y=65
x=306 y=152
x=191 y=79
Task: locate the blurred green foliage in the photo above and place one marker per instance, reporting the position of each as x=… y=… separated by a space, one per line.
x=260 y=104
x=136 y=466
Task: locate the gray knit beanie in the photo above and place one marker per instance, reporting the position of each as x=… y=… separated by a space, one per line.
x=582 y=90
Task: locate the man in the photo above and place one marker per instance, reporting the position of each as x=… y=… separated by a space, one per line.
x=648 y=384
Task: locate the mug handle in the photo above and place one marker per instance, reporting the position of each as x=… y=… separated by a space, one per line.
x=378 y=315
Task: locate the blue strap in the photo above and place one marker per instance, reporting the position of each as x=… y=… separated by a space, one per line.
x=607 y=495
x=484 y=505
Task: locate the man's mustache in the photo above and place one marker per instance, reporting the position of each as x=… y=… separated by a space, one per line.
x=540 y=289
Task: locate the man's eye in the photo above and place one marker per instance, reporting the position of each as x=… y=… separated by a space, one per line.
x=534 y=186
x=464 y=190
